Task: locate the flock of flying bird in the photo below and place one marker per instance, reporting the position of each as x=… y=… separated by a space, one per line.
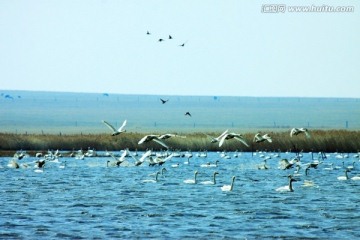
x=159 y=139
x=258 y=138
x=148 y=155
x=169 y=38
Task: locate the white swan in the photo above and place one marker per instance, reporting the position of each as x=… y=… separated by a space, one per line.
x=120 y=160
x=263 y=166
x=114 y=131
x=154 y=138
x=355 y=178
x=62 y=166
x=217 y=139
x=188 y=160
x=229 y=136
x=330 y=168
x=152 y=180
x=297 y=131
x=40 y=164
x=175 y=165
x=169 y=135
x=308 y=183
x=210 y=164
x=160 y=161
x=258 y=138
x=13 y=164
x=192 y=181
x=229 y=188
x=140 y=161
x=287 y=188
x=213 y=182
x=343 y=178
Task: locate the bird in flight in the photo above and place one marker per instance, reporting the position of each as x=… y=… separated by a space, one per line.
x=170 y=37
x=188 y=114
x=217 y=139
x=160 y=39
x=183 y=45
x=228 y=136
x=164 y=101
x=169 y=135
x=297 y=131
x=114 y=131
x=258 y=138
x=154 y=138
x=148 y=33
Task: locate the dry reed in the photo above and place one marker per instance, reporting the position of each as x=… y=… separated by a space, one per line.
x=326 y=141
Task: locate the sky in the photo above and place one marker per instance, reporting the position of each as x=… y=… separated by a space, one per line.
x=232 y=48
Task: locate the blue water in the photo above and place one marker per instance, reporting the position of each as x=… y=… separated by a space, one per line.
x=57 y=112
x=87 y=200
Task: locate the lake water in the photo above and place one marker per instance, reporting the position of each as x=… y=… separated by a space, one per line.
x=56 y=112
x=87 y=200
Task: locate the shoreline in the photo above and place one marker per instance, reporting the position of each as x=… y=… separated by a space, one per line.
x=321 y=141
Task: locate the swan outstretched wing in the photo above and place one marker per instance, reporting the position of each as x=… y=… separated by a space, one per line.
x=267 y=137
x=241 y=140
x=113 y=156
x=109 y=125
x=160 y=142
x=132 y=156
x=222 y=140
x=123 y=155
x=168 y=158
x=143 y=139
x=122 y=126
x=145 y=155
x=292 y=132
x=307 y=134
x=257 y=137
x=223 y=134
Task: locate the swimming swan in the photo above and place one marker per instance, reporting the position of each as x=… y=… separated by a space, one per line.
x=152 y=180
x=228 y=188
x=114 y=131
x=287 y=188
x=343 y=178
x=213 y=182
x=192 y=181
x=210 y=165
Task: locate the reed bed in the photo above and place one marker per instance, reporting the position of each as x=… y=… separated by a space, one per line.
x=321 y=140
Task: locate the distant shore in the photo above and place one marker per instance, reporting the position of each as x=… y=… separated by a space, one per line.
x=321 y=140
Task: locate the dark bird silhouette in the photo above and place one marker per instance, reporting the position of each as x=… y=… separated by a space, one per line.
x=183 y=45
x=148 y=33
x=40 y=164
x=160 y=40
x=163 y=101
x=187 y=114
x=170 y=37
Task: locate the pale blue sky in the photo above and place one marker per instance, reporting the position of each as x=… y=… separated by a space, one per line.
x=232 y=48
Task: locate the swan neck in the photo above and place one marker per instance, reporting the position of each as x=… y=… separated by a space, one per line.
x=232 y=184
x=290 y=186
